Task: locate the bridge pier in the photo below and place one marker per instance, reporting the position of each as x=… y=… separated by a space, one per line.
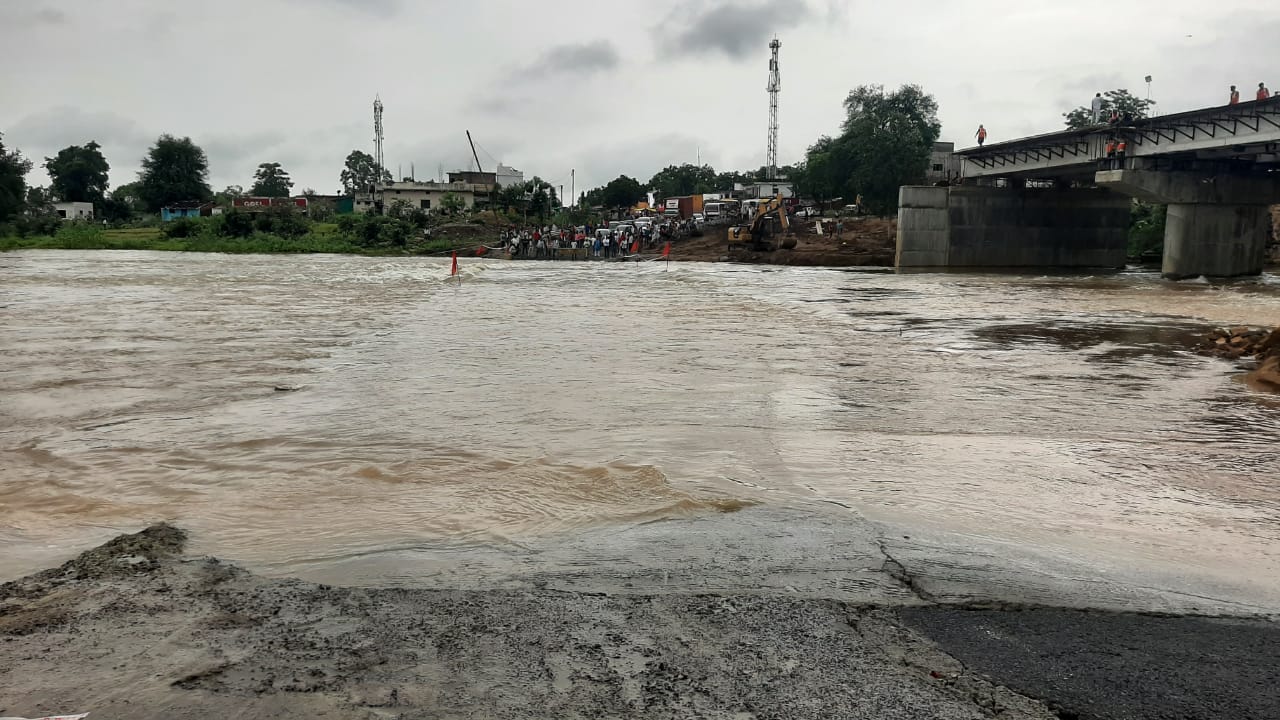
x=1217 y=223
x=976 y=227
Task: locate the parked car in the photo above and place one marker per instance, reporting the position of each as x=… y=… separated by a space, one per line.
x=808 y=211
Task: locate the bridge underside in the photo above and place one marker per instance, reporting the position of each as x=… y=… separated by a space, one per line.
x=976 y=227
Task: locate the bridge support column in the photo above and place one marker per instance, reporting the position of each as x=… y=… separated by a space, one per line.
x=1217 y=222
x=976 y=227
x=1215 y=240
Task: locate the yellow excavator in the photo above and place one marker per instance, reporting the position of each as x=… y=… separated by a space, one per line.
x=768 y=229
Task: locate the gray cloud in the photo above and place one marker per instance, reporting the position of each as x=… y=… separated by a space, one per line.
x=736 y=29
x=370 y=7
x=575 y=59
x=32 y=17
x=50 y=16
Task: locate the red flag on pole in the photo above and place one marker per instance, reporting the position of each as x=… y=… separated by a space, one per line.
x=666 y=251
x=454 y=270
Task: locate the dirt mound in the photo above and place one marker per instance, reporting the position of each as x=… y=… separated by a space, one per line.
x=465 y=233
x=864 y=241
x=126 y=555
x=1238 y=342
x=1243 y=342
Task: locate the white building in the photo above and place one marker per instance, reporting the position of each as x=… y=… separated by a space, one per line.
x=508 y=176
x=767 y=189
x=74 y=210
x=418 y=196
x=944 y=164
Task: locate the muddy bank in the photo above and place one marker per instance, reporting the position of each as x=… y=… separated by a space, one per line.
x=137 y=629
x=134 y=629
x=1238 y=343
x=864 y=242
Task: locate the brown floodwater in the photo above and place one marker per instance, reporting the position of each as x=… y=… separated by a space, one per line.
x=537 y=399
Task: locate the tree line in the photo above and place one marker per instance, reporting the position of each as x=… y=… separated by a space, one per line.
x=174 y=169
x=884 y=143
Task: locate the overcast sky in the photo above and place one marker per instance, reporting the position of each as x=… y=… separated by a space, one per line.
x=601 y=87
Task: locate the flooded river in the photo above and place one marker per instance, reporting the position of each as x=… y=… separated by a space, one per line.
x=299 y=413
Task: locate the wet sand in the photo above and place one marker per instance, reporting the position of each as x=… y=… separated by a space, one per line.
x=137 y=628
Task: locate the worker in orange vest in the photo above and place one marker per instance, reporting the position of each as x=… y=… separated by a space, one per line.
x=982 y=135
x=1111 y=154
x=1263 y=92
x=1120 y=148
x=1235 y=96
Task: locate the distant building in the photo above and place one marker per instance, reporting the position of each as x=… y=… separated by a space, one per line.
x=260 y=204
x=767 y=189
x=508 y=176
x=473 y=177
x=944 y=164
x=185 y=209
x=74 y=210
x=418 y=195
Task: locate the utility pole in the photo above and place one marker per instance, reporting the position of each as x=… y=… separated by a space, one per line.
x=573 y=186
x=377 y=135
x=775 y=85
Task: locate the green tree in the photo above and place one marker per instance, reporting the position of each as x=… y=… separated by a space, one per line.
x=40 y=200
x=237 y=224
x=885 y=143
x=360 y=172
x=79 y=173
x=686 y=179
x=622 y=191
x=452 y=204
x=271 y=180
x=122 y=204
x=13 y=182
x=1120 y=100
x=725 y=181
x=513 y=198
x=174 y=170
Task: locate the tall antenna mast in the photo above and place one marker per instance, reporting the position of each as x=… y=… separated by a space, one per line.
x=377 y=135
x=775 y=85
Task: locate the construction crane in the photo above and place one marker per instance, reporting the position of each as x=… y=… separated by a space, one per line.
x=775 y=86
x=473 y=152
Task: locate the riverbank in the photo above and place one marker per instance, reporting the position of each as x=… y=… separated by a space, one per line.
x=865 y=242
x=137 y=628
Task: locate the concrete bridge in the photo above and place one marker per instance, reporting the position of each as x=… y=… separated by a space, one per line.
x=1057 y=200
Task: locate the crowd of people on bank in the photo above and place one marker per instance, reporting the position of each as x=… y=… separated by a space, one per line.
x=623 y=239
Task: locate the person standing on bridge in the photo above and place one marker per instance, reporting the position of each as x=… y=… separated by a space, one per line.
x=1097 y=108
x=981 y=134
x=1235 y=96
x=1263 y=92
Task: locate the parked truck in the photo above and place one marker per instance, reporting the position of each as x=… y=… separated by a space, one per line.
x=682 y=207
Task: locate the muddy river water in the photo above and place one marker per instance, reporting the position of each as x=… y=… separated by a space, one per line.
x=535 y=402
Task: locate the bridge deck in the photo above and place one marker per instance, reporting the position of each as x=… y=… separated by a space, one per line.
x=1250 y=129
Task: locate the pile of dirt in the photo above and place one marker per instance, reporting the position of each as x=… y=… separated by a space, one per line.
x=465 y=234
x=863 y=242
x=1244 y=342
x=1238 y=342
